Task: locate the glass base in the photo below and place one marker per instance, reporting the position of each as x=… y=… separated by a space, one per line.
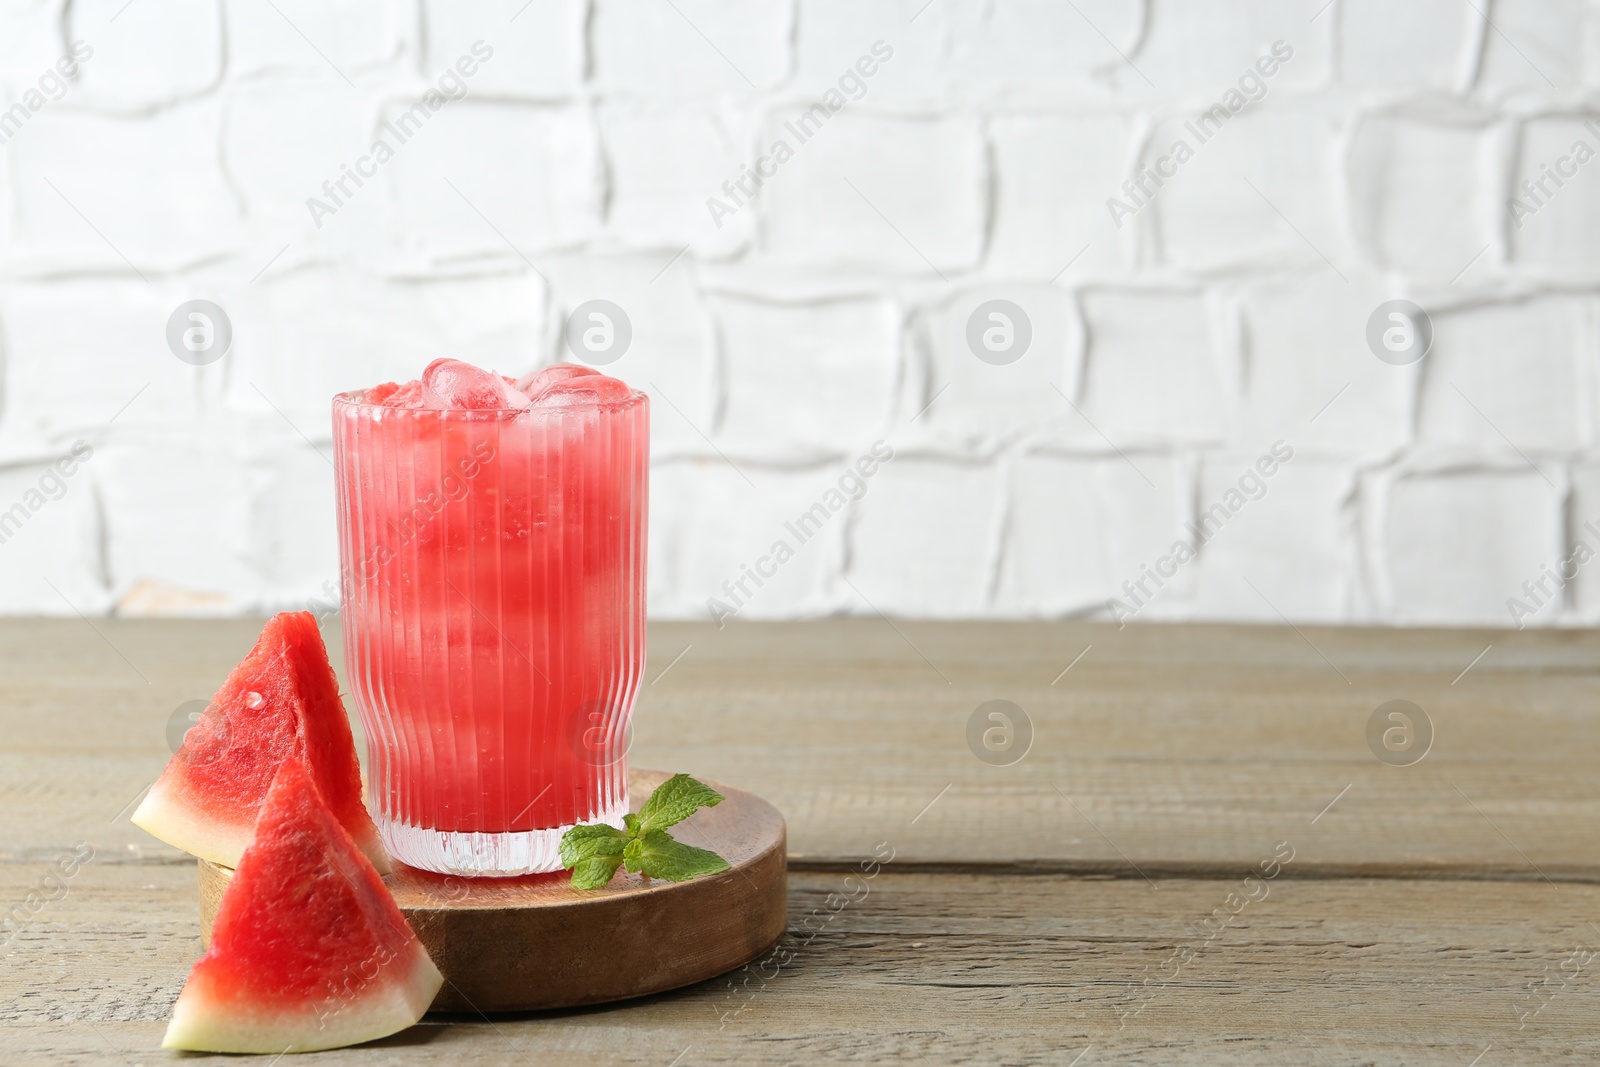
x=478 y=855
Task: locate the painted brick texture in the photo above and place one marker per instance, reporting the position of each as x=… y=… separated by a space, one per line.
x=833 y=224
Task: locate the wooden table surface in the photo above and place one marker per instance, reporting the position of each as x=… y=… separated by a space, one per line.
x=1091 y=904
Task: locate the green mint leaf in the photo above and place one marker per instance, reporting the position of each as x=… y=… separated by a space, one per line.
x=586 y=842
x=675 y=800
x=595 y=851
x=673 y=861
x=595 y=871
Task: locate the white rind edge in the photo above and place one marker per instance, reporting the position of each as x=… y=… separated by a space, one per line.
x=163 y=817
x=200 y=1024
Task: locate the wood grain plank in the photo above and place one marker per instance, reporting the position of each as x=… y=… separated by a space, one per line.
x=1173 y=749
x=930 y=968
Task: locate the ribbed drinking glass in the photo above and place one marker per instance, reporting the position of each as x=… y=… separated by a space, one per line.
x=494 y=581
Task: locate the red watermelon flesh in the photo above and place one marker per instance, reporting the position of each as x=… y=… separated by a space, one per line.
x=308 y=950
x=281 y=700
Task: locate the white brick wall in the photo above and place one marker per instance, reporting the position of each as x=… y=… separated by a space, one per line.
x=970 y=158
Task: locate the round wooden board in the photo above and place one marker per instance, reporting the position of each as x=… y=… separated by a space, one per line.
x=516 y=944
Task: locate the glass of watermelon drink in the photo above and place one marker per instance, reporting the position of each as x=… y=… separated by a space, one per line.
x=491 y=541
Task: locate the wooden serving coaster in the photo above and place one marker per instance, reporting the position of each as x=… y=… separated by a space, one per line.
x=530 y=942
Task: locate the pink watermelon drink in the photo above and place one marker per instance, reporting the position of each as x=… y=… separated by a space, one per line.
x=492 y=539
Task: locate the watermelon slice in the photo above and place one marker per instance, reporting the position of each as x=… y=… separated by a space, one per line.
x=308 y=950
x=281 y=700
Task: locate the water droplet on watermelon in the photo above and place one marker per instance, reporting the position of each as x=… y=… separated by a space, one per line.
x=254 y=700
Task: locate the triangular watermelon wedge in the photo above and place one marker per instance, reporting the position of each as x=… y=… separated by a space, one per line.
x=308 y=950
x=281 y=700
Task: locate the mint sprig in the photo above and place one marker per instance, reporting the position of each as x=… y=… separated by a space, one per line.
x=594 y=851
